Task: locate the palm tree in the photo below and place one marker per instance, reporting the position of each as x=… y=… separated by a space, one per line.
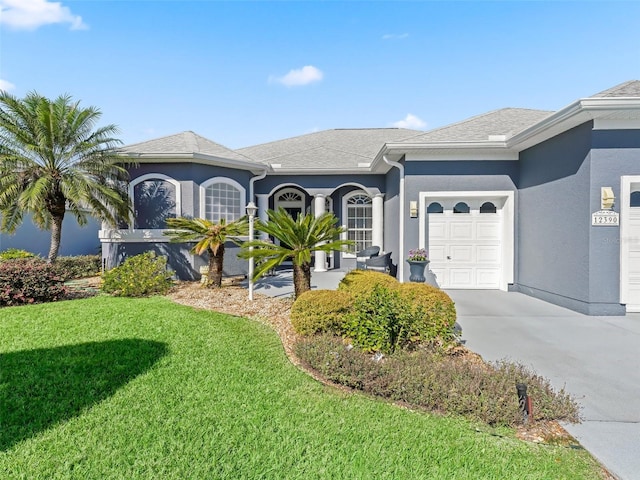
x=298 y=239
x=52 y=160
x=210 y=238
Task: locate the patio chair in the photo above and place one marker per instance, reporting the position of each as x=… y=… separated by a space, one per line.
x=380 y=263
x=363 y=255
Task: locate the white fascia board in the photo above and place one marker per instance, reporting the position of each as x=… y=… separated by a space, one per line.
x=571 y=116
x=318 y=171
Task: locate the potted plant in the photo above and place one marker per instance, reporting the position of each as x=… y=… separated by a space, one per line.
x=417 y=261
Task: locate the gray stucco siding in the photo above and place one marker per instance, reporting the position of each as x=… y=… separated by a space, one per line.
x=316 y=182
x=615 y=153
x=447 y=176
x=553 y=220
x=190 y=176
x=76 y=239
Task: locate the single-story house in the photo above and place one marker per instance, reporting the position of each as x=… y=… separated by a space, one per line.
x=545 y=203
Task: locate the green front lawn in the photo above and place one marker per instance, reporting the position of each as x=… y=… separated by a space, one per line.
x=143 y=388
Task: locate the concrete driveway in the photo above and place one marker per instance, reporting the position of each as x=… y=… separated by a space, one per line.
x=596 y=359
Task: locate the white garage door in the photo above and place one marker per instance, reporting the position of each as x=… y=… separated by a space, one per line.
x=465 y=244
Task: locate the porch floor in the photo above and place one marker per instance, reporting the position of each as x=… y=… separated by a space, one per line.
x=281 y=284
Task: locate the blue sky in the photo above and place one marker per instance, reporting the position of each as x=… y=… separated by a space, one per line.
x=243 y=73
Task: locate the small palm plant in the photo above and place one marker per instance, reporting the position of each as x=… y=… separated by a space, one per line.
x=210 y=238
x=297 y=240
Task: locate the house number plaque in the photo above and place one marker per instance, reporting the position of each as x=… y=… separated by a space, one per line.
x=605 y=218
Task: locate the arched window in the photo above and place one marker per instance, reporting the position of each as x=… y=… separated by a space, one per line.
x=488 y=207
x=359 y=220
x=435 y=207
x=292 y=200
x=155 y=198
x=634 y=200
x=461 y=207
x=222 y=198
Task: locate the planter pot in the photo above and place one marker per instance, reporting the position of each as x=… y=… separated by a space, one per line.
x=416 y=269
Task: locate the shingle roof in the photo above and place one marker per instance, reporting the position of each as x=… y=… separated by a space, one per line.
x=506 y=121
x=626 y=89
x=337 y=148
x=184 y=143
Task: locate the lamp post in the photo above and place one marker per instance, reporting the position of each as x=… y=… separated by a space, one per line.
x=251 y=211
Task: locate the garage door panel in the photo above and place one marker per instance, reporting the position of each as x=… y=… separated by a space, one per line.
x=461 y=277
x=488 y=231
x=488 y=254
x=437 y=253
x=487 y=277
x=461 y=253
x=437 y=231
x=461 y=231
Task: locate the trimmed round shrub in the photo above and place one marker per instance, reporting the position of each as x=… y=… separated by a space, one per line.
x=139 y=276
x=362 y=282
x=318 y=311
x=433 y=311
x=29 y=280
x=15 y=253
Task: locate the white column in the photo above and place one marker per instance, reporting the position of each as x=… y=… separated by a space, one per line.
x=319 y=203
x=377 y=221
x=263 y=206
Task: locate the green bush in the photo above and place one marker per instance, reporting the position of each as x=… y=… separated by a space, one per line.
x=448 y=384
x=319 y=311
x=433 y=311
x=139 y=276
x=379 y=321
x=362 y=282
x=29 y=280
x=15 y=253
x=79 y=266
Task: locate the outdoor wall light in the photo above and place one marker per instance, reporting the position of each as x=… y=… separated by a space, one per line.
x=607 y=198
x=413 y=209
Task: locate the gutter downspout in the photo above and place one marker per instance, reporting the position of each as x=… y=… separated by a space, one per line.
x=400 y=167
x=253 y=180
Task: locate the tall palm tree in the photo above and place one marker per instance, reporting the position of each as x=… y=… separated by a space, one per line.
x=53 y=160
x=298 y=239
x=210 y=238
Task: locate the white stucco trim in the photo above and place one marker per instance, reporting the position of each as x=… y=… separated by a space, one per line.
x=508 y=225
x=157 y=176
x=143 y=235
x=229 y=181
x=625 y=193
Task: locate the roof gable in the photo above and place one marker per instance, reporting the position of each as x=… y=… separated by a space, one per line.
x=504 y=123
x=184 y=143
x=330 y=149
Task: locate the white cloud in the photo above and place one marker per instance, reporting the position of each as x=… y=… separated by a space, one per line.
x=410 y=121
x=6 y=85
x=303 y=76
x=395 y=36
x=32 y=14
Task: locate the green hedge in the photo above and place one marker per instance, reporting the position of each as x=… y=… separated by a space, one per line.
x=318 y=311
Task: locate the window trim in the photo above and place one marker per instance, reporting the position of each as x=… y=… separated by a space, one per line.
x=155 y=176
x=345 y=217
x=228 y=181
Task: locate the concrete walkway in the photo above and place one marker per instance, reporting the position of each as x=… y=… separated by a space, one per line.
x=281 y=284
x=596 y=359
